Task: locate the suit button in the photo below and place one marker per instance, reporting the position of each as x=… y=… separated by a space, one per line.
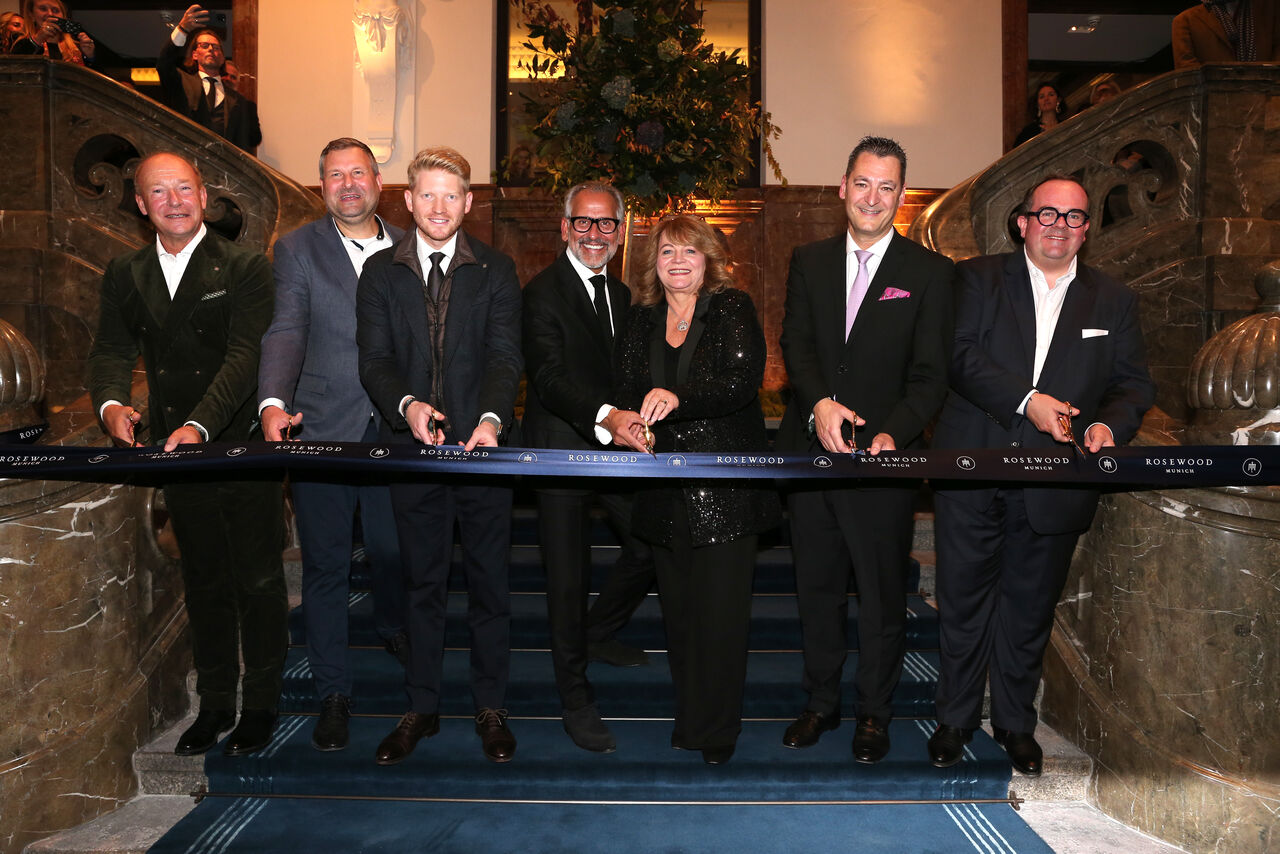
x=160 y=371
x=1015 y=444
x=168 y=409
x=842 y=370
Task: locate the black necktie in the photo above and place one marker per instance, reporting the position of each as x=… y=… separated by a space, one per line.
x=211 y=93
x=599 y=283
x=435 y=278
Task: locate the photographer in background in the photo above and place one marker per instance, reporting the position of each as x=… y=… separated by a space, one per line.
x=190 y=66
x=49 y=32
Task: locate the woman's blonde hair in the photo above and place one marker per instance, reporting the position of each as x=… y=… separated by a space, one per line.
x=683 y=230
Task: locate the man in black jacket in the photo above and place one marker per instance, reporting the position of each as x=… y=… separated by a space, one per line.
x=572 y=312
x=196 y=90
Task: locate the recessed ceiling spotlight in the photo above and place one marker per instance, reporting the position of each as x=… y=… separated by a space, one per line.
x=1091 y=26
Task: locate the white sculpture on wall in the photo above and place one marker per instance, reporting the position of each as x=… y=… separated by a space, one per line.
x=383 y=62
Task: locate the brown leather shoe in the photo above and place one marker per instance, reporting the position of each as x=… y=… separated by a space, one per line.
x=809 y=727
x=496 y=740
x=413 y=727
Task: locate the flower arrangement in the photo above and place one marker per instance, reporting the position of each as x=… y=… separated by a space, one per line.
x=645 y=102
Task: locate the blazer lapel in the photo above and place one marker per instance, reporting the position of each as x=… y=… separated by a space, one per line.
x=334 y=261
x=201 y=279
x=408 y=292
x=467 y=274
x=575 y=294
x=830 y=292
x=148 y=278
x=1017 y=290
x=697 y=323
x=886 y=275
x=1076 y=306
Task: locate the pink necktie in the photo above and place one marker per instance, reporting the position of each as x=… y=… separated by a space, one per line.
x=861 y=283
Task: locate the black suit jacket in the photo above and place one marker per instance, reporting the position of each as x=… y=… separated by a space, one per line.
x=718 y=376
x=1095 y=360
x=200 y=349
x=182 y=91
x=567 y=358
x=892 y=370
x=481 y=336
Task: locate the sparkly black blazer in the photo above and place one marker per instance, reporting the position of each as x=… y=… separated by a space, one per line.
x=718 y=376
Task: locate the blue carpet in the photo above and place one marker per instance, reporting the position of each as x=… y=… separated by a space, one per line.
x=646 y=797
x=362 y=827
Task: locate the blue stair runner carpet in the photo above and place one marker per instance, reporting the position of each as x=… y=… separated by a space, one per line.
x=646 y=797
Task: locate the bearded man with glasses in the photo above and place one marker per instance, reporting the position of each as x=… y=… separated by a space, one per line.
x=572 y=311
x=1041 y=339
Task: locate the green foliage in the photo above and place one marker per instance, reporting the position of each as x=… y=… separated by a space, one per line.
x=645 y=103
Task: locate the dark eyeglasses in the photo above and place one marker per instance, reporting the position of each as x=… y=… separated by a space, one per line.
x=1049 y=217
x=582 y=224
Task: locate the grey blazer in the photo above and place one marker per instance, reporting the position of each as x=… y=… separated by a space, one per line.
x=309 y=354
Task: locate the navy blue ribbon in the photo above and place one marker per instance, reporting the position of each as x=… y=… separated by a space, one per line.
x=1160 y=466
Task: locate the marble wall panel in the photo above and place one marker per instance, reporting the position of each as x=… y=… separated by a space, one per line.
x=1165 y=665
x=92 y=633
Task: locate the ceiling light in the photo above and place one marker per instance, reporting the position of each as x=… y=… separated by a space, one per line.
x=1076 y=29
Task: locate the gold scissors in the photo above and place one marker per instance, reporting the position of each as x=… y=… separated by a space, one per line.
x=1064 y=421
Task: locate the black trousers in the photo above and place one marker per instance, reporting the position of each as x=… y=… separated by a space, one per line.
x=564 y=532
x=866 y=533
x=425 y=517
x=231 y=535
x=998 y=584
x=706 y=609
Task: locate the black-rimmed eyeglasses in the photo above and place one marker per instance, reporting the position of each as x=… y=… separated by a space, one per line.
x=582 y=224
x=1048 y=217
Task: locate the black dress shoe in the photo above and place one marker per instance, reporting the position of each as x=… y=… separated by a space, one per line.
x=809 y=727
x=204 y=731
x=588 y=730
x=1024 y=752
x=252 y=733
x=617 y=653
x=496 y=740
x=717 y=755
x=870 y=741
x=946 y=745
x=331 y=729
x=411 y=729
x=398 y=646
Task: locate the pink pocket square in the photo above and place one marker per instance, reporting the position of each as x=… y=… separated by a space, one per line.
x=894 y=293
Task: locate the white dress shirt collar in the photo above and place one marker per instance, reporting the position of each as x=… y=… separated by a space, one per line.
x=425 y=250
x=877 y=251
x=174 y=264
x=360 y=249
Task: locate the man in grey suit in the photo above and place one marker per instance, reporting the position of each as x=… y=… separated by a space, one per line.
x=194 y=306
x=310 y=367
x=438 y=325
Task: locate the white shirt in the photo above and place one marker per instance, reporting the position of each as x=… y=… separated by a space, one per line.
x=359 y=249
x=207 y=80
x=174 y=264
x=585 y=273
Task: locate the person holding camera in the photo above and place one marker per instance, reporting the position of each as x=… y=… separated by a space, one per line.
x=49 y=32
x=190 y=66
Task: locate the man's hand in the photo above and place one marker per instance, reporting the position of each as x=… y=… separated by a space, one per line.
x=426 y=422
x=658 y=404
x=626 y=428
x=86 y=45
x=184 y=435
x=120 y=421
x=275 y=421
x=882 y=442
x=193 y=19
x=1097 y=437
x=829 y=418
x=1043 y=411
x=485 y=435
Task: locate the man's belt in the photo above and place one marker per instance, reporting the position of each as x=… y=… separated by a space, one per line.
x=1161 y=466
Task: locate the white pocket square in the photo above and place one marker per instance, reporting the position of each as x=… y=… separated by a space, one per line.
x=1093 y=333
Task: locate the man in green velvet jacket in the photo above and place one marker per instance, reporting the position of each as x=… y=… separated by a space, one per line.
x=195 y=306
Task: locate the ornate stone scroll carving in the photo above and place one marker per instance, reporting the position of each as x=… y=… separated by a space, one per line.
x=383 y=34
